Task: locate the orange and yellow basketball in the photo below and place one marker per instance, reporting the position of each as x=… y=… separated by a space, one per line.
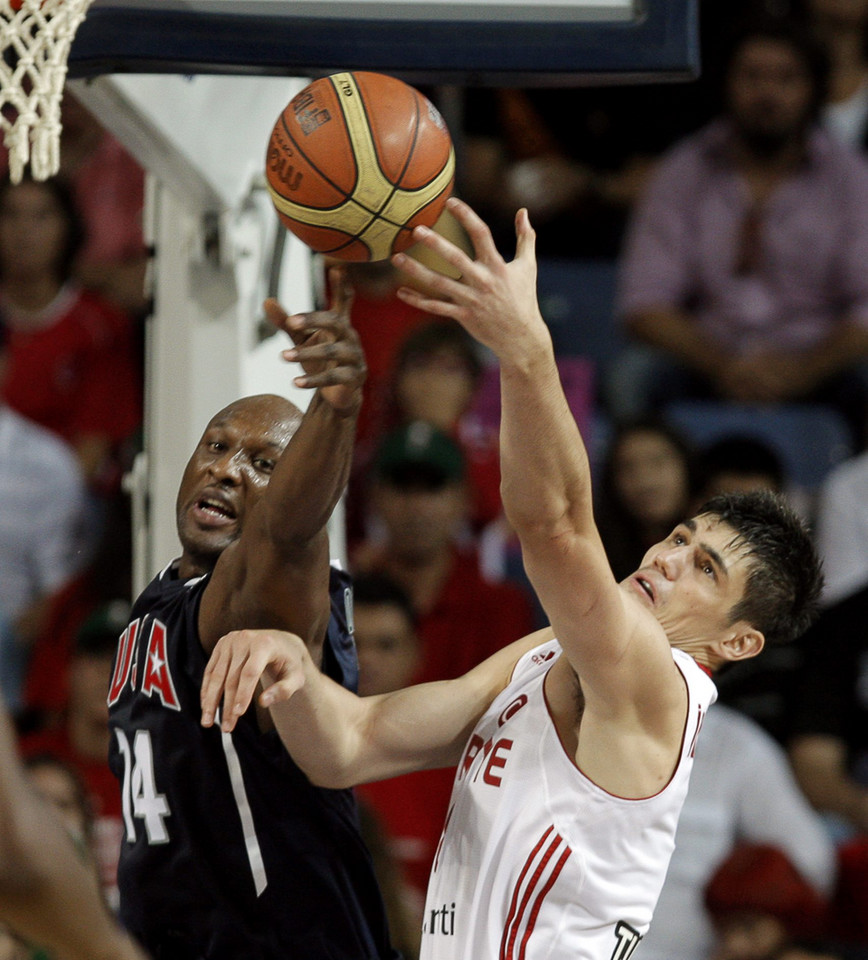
x=356 y=161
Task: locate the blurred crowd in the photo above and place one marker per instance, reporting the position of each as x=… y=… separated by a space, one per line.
x=726 y=223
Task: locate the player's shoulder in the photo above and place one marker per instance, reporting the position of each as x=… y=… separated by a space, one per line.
x=539 y=656
x=533 y=654
x=700 y=683
x=168 y=590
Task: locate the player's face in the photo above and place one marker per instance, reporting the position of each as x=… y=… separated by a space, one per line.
x=229 y=471
x=692 y=580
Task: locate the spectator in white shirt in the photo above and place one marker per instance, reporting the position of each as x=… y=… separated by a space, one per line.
x=741 y=790
x=42 y=537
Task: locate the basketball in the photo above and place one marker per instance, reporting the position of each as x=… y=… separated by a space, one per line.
x=356 y=161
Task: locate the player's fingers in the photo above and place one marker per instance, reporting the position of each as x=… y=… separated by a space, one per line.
x=342 y=292
x=445 y=287
x=333 y=377
x=525 y=236
x=343 y=352
x=231 y=713
x=239 y=695
x=477 y=229
x=439 y=308
x=213 y=681
x=281 y=691
x=320 y=322
x=275 y=314
x=464 y=265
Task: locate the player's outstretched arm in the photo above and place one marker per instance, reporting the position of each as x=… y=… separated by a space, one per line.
x=546 y=477
x=337 y=738
x=312 y=473
x=47 y=894
x=545 y=473
x=284 y=538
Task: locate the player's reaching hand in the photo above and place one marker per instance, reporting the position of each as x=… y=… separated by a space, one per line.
x=494 y=300
x=326 y=346
x=243 y=658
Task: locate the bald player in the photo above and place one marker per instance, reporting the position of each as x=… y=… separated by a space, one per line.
x=230 y=852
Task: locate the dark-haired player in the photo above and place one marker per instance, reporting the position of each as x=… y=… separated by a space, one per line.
x=573 y=753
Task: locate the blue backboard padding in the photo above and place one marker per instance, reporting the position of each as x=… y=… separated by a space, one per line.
x=662 y=43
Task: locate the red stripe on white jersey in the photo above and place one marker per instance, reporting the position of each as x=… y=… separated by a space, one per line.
x=531 y=923
x=534 y=869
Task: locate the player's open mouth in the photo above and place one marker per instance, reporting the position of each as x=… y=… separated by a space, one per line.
x=214 y=509
x=646 y=586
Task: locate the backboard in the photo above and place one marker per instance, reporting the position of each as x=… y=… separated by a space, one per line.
x=430 y=41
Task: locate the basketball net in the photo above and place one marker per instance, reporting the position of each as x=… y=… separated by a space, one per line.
x=35 y=38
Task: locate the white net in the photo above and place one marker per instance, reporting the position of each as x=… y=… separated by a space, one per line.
x=35 y=36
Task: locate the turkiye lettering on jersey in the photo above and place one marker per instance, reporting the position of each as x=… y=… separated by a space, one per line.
x=536 y=861
x=491 y=753
x=627 y=939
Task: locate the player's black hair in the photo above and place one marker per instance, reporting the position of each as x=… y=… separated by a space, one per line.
x=74 y=238
x=781 y=596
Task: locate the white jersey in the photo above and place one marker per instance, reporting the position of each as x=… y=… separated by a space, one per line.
x=535 y=860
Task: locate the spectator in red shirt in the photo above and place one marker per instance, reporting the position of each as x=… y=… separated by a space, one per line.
x=72 y=362
x=419 y=500
x=108 y=185
x=764 y=909
x=435 y=377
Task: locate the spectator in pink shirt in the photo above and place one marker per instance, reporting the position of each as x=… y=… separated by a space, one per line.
x=744 y=273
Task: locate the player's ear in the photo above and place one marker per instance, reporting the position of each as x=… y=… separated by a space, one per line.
x=741 y=642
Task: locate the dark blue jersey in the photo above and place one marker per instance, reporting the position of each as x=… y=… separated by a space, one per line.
x=230 y=852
